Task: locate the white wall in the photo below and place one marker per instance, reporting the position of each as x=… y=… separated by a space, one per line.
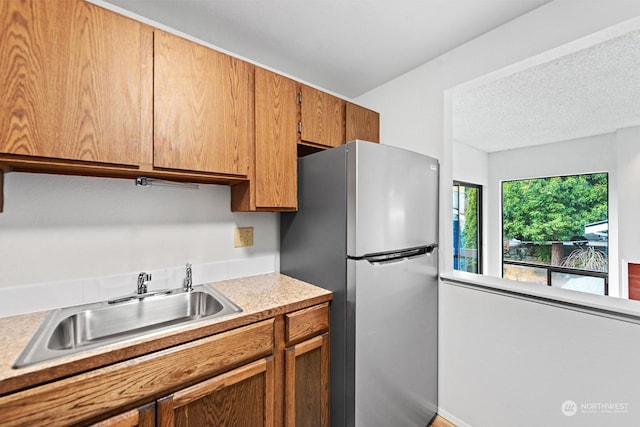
x=513 y=362
x=73 y=239
x=628 y=164
x=413 y=116
x=471 y=165
x=584 y=155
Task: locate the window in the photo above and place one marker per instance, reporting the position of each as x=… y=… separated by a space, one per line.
x=555 y=231
x=467 y=227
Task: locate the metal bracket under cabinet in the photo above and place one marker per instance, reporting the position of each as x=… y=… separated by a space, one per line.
x=143 y=181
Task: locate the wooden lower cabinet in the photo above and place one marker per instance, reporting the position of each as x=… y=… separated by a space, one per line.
x=125 y=385
x=242 y=397
x=307 y=383
x=144 y=416
x=306 y=367
x=268 y=373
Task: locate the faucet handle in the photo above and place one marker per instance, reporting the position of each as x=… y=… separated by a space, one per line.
x=143 y=278
x=188 y=280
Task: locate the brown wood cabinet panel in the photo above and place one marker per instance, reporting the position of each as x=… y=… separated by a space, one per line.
x=306 y=323
x=276 y=138
x=307 y=383
x=103 y=390
x=362 y=123
x=74 y=82
x=203 y=108
x=634 y=281
x=272 y=184
x=242 y=397
x=322 y=117
x=144 y=416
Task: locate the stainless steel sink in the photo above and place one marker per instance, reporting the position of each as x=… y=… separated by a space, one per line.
x=73 y=329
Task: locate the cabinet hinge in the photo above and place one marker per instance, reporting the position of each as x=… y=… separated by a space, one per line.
x=299 y=97
x=299 y=127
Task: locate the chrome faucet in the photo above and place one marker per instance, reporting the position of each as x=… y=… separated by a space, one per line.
x=188 y=281
x=143 y=279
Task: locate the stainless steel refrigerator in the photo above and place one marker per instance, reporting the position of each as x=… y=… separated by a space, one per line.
x=367 y=229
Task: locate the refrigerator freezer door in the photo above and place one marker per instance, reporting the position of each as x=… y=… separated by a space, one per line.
x=395 y=341
x=392 y=199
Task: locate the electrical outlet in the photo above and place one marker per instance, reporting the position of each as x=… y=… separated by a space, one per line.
x=243 y=237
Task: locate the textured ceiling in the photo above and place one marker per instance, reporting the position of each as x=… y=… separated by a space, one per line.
x=589 y=92
x=346 y=46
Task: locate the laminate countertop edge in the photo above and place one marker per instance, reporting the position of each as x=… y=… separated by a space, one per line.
x=260 y=297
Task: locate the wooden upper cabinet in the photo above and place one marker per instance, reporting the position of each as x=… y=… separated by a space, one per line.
x=203 y=108
x=273 y=172
x=322 y=118
x=276 y=139
x=75 y=78
x=362 y=123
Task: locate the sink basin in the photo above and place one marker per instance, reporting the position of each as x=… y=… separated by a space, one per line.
x=70 y=330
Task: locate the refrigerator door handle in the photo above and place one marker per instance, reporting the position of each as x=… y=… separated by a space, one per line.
x=389 y=261
x=431 y=247
x=397 y=256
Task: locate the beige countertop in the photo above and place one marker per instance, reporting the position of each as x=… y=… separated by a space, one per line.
x=260 y=297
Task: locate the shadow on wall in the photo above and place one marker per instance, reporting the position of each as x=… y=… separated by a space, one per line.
x=65 y=227
x=43 y=200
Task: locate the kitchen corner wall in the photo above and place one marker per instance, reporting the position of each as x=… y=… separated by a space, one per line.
x=67 y=239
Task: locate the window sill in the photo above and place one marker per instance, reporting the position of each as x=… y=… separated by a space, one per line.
x=617 y=308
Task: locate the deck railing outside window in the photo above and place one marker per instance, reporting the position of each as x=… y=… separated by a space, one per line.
x=595 y=282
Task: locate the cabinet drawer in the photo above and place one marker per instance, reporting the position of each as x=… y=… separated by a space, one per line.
x=104 y=390
x=307 y=323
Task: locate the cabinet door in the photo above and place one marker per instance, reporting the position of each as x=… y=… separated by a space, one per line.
x=276 y=139
x=362 y=123
x=203 y=108
x=322 y=117
x=144 y=416
x=307 y=383
x=75 y=80
x=242 y=397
